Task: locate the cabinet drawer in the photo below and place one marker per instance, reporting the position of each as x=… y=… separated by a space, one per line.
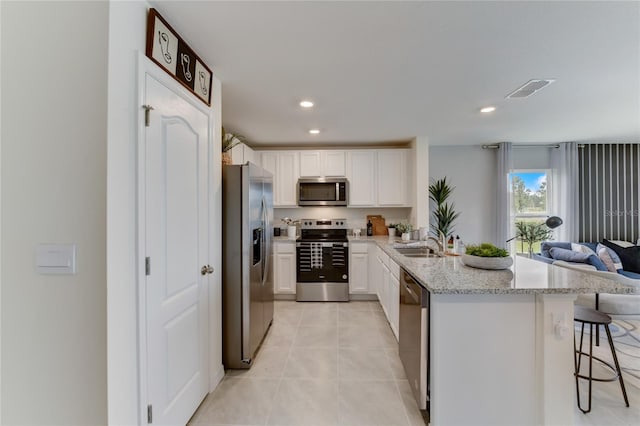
x=283 y=248
x=359 y=247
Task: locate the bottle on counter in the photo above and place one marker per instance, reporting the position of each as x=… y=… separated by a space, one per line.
x=450 y=244
x=456 y=245
x=369 y=229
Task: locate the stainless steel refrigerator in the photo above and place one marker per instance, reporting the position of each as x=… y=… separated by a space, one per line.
x=247 y=259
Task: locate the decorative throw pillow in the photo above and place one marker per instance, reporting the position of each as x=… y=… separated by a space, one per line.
x=558 y=253
x=617 y=263
x=629 y=256
x=580 y=248
x=545 y=246
x=605 y=254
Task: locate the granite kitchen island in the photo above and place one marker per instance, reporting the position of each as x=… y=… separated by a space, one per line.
x=500 y=342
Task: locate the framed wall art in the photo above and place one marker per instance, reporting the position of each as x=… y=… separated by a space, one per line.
x=167 y=49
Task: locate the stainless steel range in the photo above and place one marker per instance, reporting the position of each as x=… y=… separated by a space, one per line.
x=322 y=261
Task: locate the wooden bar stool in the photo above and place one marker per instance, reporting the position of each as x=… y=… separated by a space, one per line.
x=595 y=319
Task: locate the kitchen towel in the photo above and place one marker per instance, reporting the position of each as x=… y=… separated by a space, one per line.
x=316 y=255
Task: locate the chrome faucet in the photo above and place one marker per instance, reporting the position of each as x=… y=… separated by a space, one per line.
x=440 y=246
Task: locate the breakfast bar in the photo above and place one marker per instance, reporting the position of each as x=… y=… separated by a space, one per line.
x=499 y=344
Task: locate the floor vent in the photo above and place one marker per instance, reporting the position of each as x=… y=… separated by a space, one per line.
x=529 y=88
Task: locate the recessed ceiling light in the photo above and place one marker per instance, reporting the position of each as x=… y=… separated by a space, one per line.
x=488 y=109
x=314 y=131
x=306 y=104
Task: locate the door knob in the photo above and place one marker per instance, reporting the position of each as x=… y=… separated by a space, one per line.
x=206 y=269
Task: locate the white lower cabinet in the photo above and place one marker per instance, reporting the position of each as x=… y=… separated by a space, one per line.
x=359 y=268
x=284 y=271
x=387 y=274
x=394 y=302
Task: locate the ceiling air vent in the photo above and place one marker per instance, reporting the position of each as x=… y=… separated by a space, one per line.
x=529 y=88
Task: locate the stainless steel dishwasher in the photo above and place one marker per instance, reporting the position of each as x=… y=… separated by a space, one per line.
x=414 y=338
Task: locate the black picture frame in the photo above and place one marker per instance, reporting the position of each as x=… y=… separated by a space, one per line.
x=169 y=51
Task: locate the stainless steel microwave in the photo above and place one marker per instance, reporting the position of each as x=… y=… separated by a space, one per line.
x=323 y=192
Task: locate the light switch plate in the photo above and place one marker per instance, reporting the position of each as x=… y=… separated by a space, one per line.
x=56 y=258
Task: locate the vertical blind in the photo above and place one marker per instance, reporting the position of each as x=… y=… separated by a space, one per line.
x=609 y=188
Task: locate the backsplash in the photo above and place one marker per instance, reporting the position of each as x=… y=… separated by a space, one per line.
x=356 y=217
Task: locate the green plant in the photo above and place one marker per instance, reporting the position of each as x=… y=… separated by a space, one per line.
x=444 y=213
x=229 y=140
x=532 y=232
x=486 y=250
x=404 y=227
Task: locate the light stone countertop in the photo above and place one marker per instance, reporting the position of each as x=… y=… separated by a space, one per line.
x=448 y=275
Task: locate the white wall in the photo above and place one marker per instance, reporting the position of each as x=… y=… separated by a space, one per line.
x=420 y=214
x=54 y=98
x=471 y=170
x=127 y=32
x=127 y=21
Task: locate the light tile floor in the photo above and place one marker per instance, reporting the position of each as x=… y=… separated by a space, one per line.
x=320 y=364
x=338 y=364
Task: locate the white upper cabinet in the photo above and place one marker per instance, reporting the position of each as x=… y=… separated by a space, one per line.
x=242 y=153
x=310 y=164
x=317 y=164
x=361 y=173
x=285 y=169
x=334 y=163
x=393 y=178
x=377 y=177
x=287 y=179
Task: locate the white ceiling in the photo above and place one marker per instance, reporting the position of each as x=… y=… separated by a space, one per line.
x=389 y=71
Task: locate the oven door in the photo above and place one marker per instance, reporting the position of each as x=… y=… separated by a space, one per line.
x=322 y=261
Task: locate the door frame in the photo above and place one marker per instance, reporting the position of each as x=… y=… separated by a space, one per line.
x=145 y=66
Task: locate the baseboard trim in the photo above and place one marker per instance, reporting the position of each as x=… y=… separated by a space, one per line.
x=284 y=297
x=215 y=378
x=367 y=297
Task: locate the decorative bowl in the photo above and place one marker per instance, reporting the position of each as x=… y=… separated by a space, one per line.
x=487 y=262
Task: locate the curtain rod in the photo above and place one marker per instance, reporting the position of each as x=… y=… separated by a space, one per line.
x=496 y=146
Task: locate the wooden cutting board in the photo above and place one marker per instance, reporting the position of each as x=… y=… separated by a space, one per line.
x=379 y=227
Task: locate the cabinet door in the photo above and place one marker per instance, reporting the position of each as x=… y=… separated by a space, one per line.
x=393 y=177
x=362 y=179
x=251 y=155
x=284 y=274
x=286 y=183
x=310 y=164
x=237 y=154
x=334 y=164
x=270 y=163
x=394 y=304
x=359 y=265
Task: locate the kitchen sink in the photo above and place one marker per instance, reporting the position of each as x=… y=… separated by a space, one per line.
x=416 y=252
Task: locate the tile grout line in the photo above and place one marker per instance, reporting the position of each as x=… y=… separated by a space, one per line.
x=275 y=394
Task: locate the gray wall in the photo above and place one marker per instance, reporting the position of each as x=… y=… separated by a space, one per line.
x=54 y=156
x=472 y=170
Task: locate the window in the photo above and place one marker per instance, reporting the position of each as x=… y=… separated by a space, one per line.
x=530 y=196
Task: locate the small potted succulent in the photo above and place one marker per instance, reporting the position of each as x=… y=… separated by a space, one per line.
x=486 y=256
x=405 y=230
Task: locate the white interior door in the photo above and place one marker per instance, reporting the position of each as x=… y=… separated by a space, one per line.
x=176 y=220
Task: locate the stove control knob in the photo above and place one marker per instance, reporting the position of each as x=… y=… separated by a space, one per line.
x=344 y=276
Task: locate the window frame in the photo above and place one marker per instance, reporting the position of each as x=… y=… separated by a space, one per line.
x=549 y=203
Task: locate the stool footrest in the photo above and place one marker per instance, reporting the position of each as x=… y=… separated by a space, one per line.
x=603 y=362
